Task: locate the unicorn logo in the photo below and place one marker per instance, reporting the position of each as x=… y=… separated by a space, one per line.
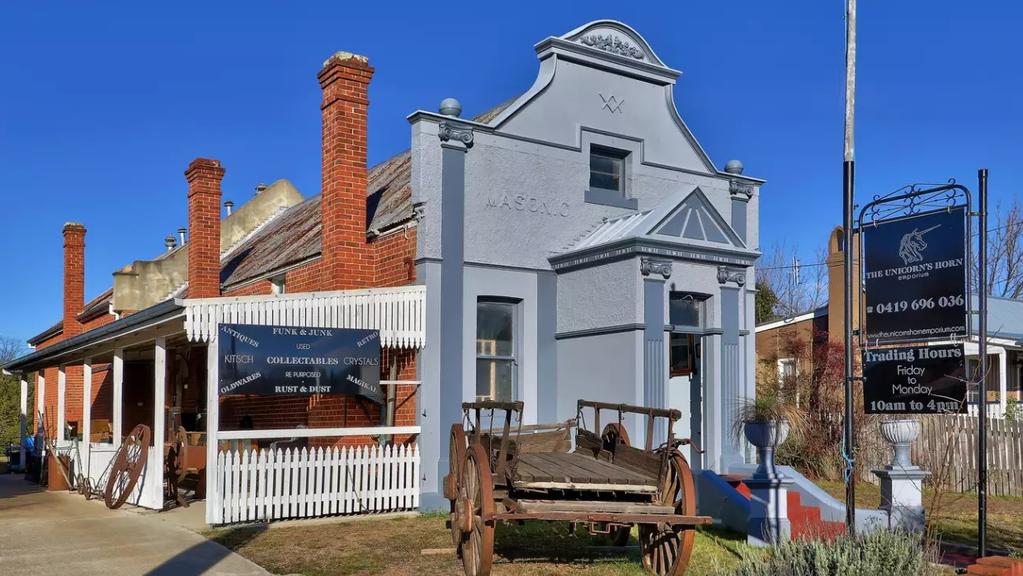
x=912 y=245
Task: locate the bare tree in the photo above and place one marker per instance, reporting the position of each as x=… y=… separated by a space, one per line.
x=10 y=348
x=800 y=287
x=1005 y=252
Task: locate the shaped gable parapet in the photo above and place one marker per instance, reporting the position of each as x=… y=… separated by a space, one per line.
x=612 y=37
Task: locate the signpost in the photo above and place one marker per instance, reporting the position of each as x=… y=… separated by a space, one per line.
x=915 y=277
x=268 y=360
x=916 y=250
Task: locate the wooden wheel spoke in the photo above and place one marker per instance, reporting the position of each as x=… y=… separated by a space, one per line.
x=666 y=552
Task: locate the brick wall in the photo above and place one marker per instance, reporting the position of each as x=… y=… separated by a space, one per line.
x=204 y=176
x=74 y=277
x=395 y=258
x=347 y=261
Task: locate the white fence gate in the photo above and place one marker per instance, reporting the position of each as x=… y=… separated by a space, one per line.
x=262 y=485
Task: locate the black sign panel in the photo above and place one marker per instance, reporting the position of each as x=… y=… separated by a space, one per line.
x=914 y=270
x=296 y=360
x=915 y=380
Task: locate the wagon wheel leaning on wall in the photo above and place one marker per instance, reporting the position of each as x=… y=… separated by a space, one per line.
x=615 y=434
x=456 y=454
x=128 y=465
x=475 y=505
x=666 y=550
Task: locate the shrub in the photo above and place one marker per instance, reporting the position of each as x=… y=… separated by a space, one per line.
x=879 y=552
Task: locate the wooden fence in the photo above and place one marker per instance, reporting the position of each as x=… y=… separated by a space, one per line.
x=262 y=485
x=948 y=448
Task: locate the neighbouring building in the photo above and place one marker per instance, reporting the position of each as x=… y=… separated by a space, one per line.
x=573 y=242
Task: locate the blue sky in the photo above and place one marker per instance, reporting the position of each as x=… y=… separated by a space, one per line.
x=102 y=107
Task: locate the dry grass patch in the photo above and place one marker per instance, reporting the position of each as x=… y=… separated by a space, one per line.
x=392 y=546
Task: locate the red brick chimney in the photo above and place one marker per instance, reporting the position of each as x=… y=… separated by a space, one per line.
x=347 y=260
x=204 y=176
x=74 y=277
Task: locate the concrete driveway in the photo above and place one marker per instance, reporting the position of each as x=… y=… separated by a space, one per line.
x=60 y=533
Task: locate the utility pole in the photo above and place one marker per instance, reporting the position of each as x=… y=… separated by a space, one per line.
x=848 y=173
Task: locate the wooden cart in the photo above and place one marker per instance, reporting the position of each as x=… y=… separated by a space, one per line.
x=515 y=472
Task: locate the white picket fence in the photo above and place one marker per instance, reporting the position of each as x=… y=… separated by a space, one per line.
x=263 y=485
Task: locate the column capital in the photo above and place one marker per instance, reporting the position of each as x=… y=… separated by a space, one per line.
x=740 y=190
x=456 y=131
x=727 y=274
x=648 y=266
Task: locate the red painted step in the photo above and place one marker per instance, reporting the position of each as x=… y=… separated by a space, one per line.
x=806 y=521
x=996 y=566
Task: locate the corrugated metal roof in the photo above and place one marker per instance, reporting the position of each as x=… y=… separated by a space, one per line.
x=611 y=230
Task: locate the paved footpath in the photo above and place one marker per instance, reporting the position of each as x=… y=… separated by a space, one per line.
x=61 y=533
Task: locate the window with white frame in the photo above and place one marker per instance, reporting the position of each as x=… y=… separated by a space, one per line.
x=496 y=349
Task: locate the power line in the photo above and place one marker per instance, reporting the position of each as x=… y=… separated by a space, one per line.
x=816 y=264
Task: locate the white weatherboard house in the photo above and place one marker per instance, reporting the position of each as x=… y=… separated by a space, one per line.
x=577 y=242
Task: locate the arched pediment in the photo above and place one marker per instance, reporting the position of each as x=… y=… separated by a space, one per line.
x=615 y=38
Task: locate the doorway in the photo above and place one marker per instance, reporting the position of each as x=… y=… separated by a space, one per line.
x=685 y=392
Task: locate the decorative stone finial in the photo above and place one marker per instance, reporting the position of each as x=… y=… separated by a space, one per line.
x=451 y=107
x=733 y=167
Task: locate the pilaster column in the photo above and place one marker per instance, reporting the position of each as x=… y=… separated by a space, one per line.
x=732 y=389
x=655 y=366
x=740 y=193
x=456 y=139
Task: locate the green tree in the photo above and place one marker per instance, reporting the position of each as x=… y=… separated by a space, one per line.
x=10 y=394
x=766 y=302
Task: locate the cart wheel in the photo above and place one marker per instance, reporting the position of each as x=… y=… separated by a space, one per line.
x=613 y=435
x=666 y=552
x=476 y=505
x=456 y=453
x=131 y=459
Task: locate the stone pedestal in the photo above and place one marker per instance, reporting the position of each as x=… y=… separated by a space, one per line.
x=901 y=482
x=769 y=511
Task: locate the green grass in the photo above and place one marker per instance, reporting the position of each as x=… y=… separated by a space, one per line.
x=955 y=519
x=394 y=545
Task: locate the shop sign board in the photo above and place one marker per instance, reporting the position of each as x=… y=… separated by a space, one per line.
x=270 y=360
x=915 y=277
x=920 y=379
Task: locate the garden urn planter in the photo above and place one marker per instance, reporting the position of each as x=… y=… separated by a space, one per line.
x=766 y=437
x=901 y=434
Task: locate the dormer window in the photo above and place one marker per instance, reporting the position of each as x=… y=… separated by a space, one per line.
x=609 y=177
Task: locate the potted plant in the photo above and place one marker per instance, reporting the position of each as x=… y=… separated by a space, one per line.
x=766 y=422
